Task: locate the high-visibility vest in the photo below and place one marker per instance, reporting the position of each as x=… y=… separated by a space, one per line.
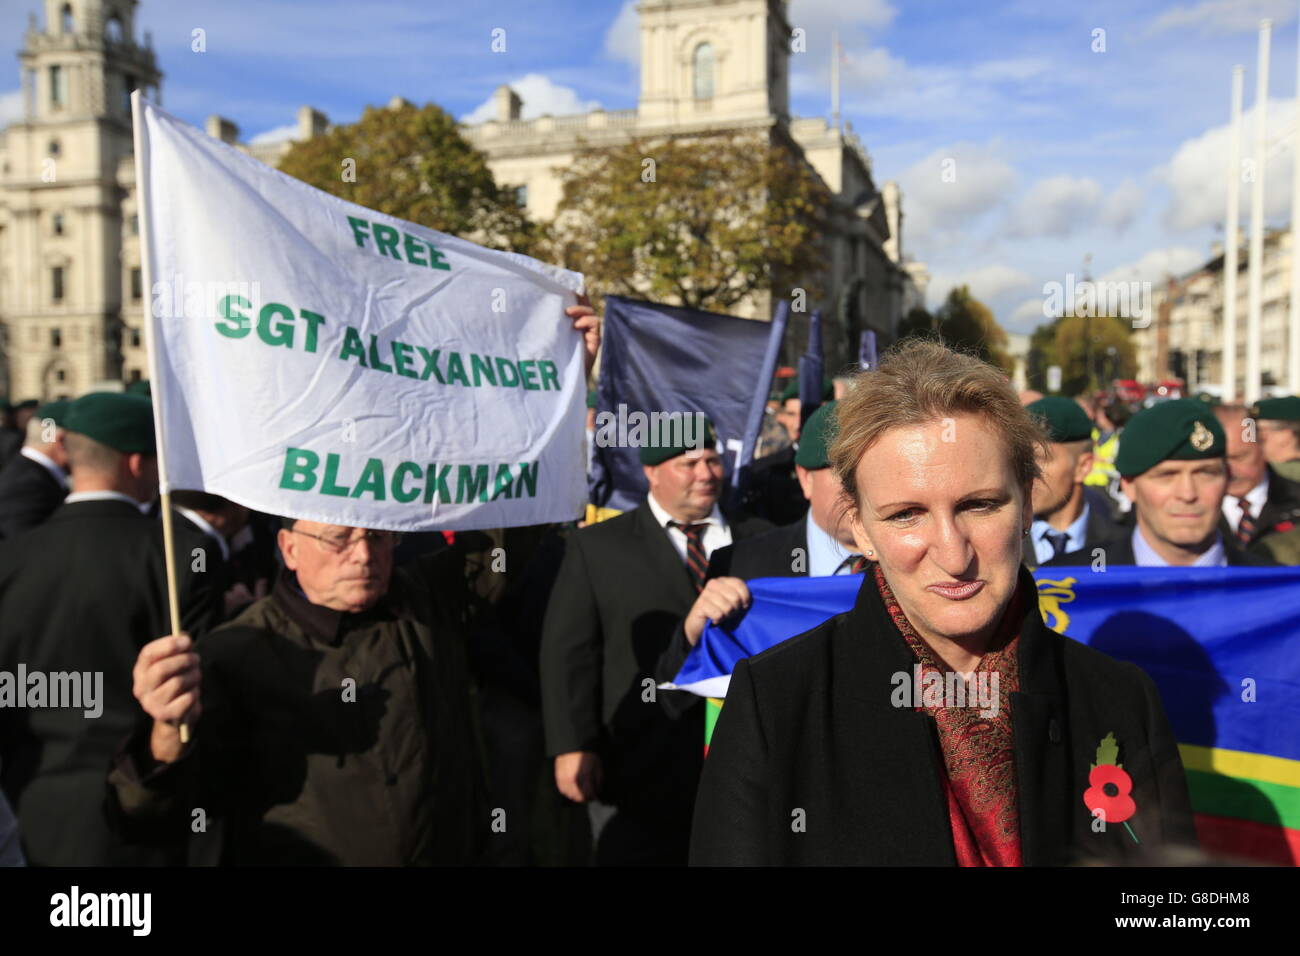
x=1103 y=460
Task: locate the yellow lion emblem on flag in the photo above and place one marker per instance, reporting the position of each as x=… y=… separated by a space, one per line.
x=1051 y=595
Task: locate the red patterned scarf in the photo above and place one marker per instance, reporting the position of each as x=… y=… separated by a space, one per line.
x=978 y=758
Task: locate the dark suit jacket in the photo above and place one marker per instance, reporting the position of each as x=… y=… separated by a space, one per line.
x=1100 y=526
x=1118 y=548
x=28 y=495
x=1282 y=505
x=84 y=592
x=809 y=726
x=766 y=555
x=621 y=590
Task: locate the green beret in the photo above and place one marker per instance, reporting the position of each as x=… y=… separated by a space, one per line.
x=56 y=411
x=1285 y=409
x=122 y=422
x=1180 y=429
x=1062 y=417
x=141 y=387
x=792 y=389
x=591 y=398
x=678 y=433
x=815 y=438
x=25 y=404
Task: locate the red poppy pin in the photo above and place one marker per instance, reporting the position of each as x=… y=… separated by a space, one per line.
x=1284 y=526
x=1110 y=789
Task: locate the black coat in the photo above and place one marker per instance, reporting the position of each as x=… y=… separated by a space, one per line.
x=84 y=592
x=1118 y=548
x=620 y=592
x=1100 y=527
x=1281 y=506
x=28 y=495
x=767 y=555
x=809 y=726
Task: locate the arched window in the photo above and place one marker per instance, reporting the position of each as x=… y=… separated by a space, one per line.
x=65 y=18
x=113 y=29
x=703 y=71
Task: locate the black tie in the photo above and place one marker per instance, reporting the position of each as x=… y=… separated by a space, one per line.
x=696 y=561
x=1058 y=540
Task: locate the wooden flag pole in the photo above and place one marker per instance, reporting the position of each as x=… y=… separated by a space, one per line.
x=151 y=350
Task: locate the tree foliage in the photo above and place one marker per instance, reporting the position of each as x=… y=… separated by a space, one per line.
x=412 y=162
x=702 y=223
x=1101 y=333
x=917 y=322
x=964 y=322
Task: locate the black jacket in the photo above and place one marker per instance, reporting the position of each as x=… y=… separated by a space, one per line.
x=809 y=729
x=771 y=554
x=1100 y=527
x=296 y=766
x=1281 y=507
x=84 y=592
x=1118 y=549
x=28 y=495
x=621 y=590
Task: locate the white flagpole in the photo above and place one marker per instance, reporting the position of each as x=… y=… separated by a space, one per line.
x=1230 y=244
x=1293 y=331
x=151 y=350
x=1256 y=276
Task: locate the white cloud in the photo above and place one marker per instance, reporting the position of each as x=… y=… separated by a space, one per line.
x=986 y=282
x=1197 y=173
x=1016 y=70
x=1123 y=205
x=814 y=15
x=1027 y=315
x=952 y=186
x=277 y=135
x=1157 y=265
x=11 y=107
x=540 y=96
x=623 y=38
x=1056 y=206
x=1217 y=16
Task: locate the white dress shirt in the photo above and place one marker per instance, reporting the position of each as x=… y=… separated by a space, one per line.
x=1255 y=497
x=1075 y=535
x=716 y=535
x=825 y=553
x=1145 y=556
x=46 y=462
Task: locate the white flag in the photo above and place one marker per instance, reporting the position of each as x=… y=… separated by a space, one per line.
x=315 y=359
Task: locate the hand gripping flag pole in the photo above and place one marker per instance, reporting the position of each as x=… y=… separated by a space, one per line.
x=151 y=348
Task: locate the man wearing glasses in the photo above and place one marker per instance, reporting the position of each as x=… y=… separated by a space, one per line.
x=333 y=722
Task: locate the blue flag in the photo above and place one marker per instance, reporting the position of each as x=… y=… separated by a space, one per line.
x=660 y=358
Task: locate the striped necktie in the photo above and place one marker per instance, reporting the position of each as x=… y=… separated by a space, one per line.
x=855 y=563
x=1246 y=525
x=697 y=563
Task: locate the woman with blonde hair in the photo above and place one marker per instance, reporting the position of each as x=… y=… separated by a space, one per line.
x=938 y=722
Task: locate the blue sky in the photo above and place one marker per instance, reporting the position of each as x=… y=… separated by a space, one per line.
x=1059 y=151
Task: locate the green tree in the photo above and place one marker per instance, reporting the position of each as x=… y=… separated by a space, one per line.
x=412 y=162
x=917 y=322
x=1078 y=340
x=702 y=223
x=967 y=323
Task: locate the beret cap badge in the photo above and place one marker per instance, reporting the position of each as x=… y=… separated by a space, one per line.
x=1201 y=438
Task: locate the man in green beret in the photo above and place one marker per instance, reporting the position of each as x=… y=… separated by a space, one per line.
x=791 y=411
x=1173 y=468
x=622 y=586
x=1259 y=502
x=773 y=491
x=1279 y=433
x=79 y=595
x=35 y=482
x=1066 y=512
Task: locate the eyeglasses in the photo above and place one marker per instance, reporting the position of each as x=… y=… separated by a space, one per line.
x=338 y=543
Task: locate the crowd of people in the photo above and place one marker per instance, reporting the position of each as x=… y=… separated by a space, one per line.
x=352 y=696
